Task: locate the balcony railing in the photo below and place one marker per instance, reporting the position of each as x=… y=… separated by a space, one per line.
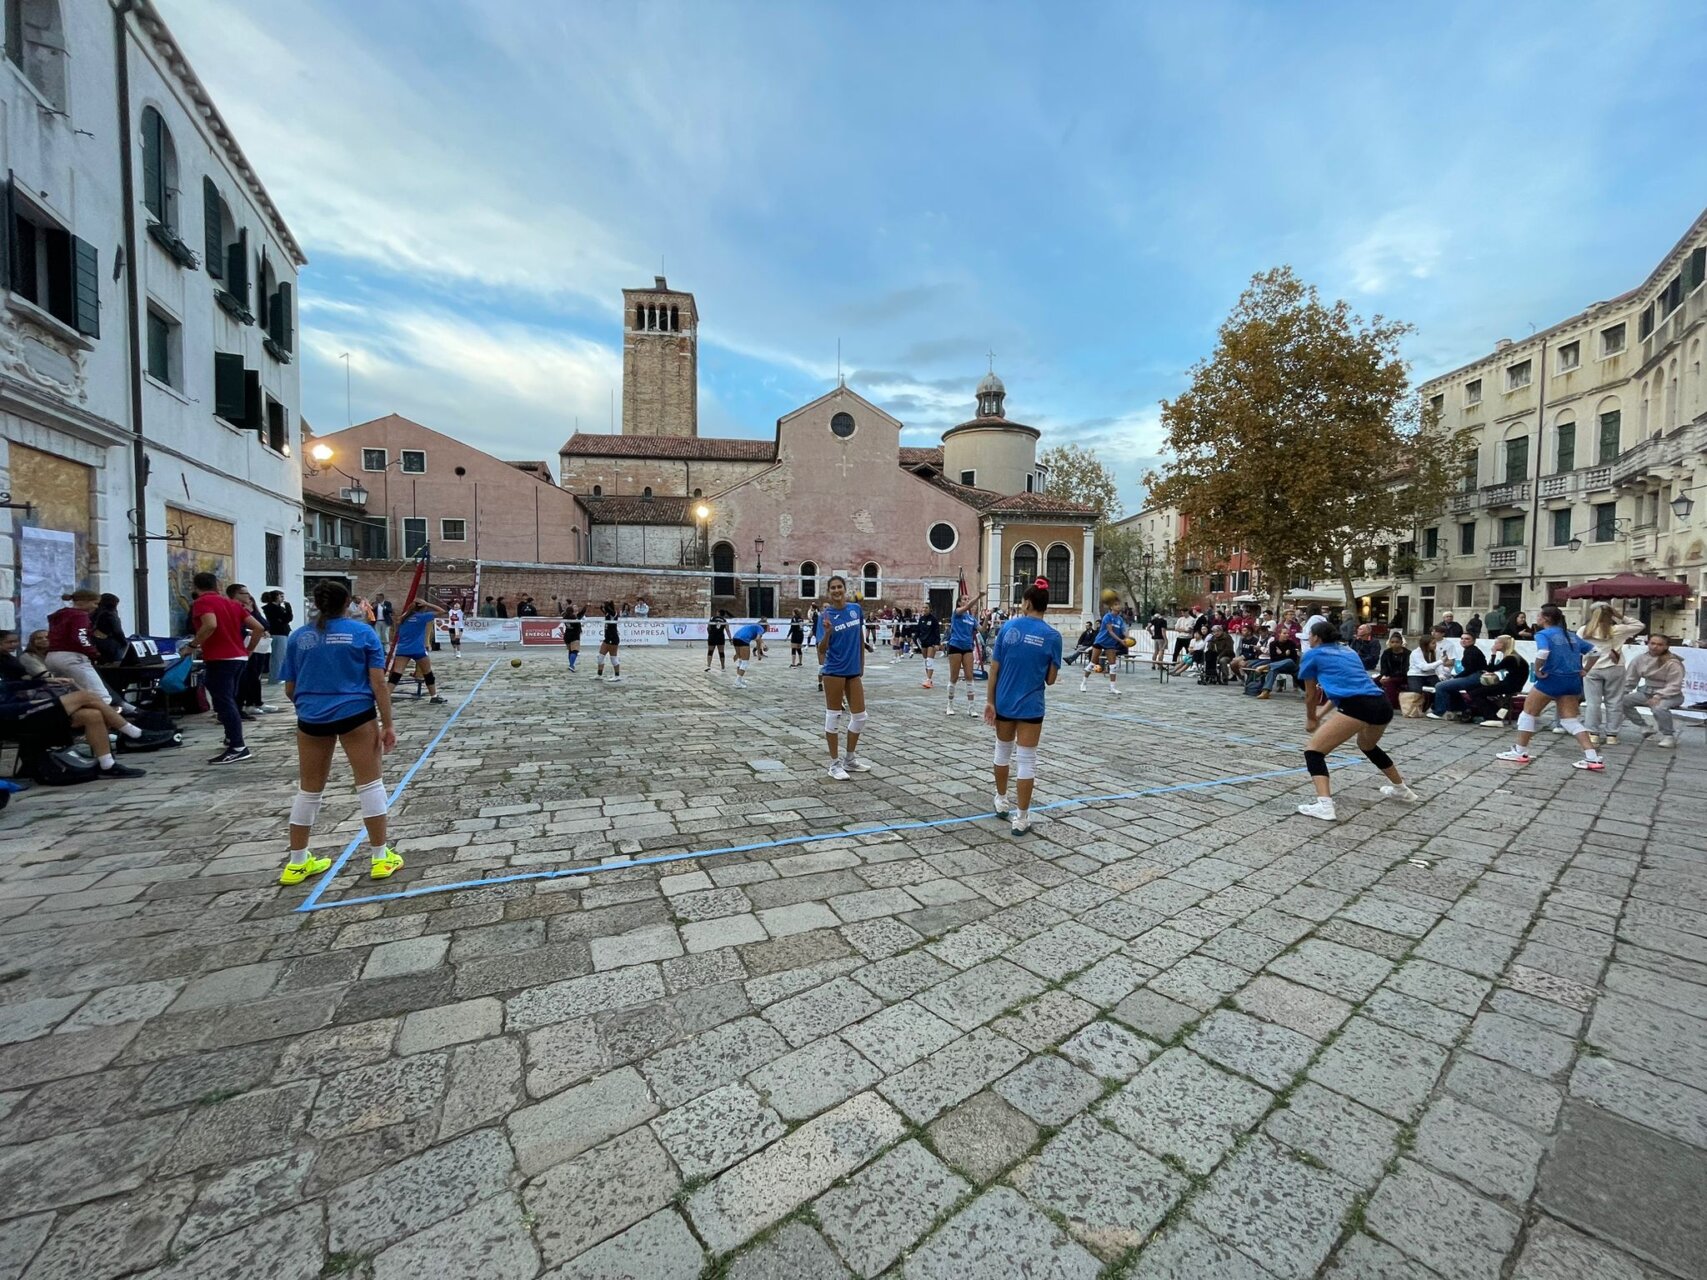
x=1596 y=478
x=1506 y=558
x=1563 y=485
x=1506 y=495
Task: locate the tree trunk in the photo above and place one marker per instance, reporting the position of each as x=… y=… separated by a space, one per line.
x=1345 y=581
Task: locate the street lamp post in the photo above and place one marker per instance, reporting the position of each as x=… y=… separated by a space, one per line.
x=702 y=514
x=758 y=555
x=1147 y=560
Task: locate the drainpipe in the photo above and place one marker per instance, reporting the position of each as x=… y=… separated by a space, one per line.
x=138 y=447
x=1535 y=484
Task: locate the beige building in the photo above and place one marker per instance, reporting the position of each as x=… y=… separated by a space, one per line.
x=1587 y=448
x=660 y=362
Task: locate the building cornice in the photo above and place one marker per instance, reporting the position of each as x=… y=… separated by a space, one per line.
x=167 y=49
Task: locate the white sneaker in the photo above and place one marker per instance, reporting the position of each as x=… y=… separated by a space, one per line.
x=1431 y=715
x=1666 y=740
x=614 y=680
x=1322 y=807
x=1593 y=766
x=951 y=706
x=837 y=772
x=1114 y=691
x=1400 y=792
x=856 y=763
x=1020 y=823
x=1003 y=806
x=1517 y=755
x=1083 y=686
x=740 y=683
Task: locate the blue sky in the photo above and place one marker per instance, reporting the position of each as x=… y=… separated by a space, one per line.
x=1083 y=189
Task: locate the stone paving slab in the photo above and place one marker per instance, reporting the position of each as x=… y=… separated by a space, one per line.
x=1180 y=1035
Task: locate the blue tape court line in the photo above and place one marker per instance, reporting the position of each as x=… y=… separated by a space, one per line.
x=560 y=872
x=308 y=903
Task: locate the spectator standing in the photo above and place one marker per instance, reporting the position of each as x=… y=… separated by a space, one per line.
x=1655 y=681
x=249 y=697
x=500 y=608
x=525 y=608
x=1453 y=630
x=641 y=608
x=225 y=634
x=1473 y=628
x=1603 y=682
x=278 y=616
x=72 y=654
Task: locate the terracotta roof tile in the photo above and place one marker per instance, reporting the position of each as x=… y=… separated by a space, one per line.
x=1038 y=504
x=711 y=447
x=629 y=510
x=912 y=456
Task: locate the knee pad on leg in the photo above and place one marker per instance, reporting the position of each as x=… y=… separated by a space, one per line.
x=431 y=679
x=305 y=808
x=1379 y=758
x=1316 y=763
x=394 y=679
x=740 y=666
x=1004 y=753
x=1025 y=763
x=832 y=721
x=1527 y=723
x=371 y=797
x=856 y=722
x=1573 y=726
x=930 y=665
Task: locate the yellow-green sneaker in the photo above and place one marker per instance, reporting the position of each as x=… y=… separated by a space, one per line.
x=384 y=863
x=297 y=872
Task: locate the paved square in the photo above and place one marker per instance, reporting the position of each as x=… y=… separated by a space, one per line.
x=653 y=996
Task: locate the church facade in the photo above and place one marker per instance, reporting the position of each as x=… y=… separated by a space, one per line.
x=833 y=491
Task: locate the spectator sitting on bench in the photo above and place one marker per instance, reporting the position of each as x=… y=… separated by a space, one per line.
x=1467 y=677
x=34 y=657
x=1282 y=661
x=86 y=711
x=1512 y=668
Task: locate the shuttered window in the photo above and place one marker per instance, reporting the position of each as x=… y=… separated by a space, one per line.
x=228 y=389
x=46 y=265
x=213 y=230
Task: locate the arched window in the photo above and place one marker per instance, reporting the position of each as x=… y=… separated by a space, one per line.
x=871 y=581
x=722 y=569
x=598 y=491
x=219 y=233
x=699 y=493
x=1565 y=444
x=1025 y=569
x=575 y=545
x=646 y=494
x=808 y=579
x=1058 y=568
x=159 y=170
x=675 y=319
x=35 y=44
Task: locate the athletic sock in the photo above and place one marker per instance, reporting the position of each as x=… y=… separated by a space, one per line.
x=1589 y=753
x=106 y=761
x=129 y=730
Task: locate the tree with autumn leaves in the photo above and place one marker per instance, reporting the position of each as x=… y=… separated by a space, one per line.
x=1300 y=440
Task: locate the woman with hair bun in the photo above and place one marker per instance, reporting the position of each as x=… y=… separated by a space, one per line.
x=334 y=671
x=1332 y=673
x=1025 y=660
x=1559 y=668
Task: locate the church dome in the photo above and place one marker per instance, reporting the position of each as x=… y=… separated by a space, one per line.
x=991 y=383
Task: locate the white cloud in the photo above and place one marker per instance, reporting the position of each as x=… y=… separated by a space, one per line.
x=1402 y=245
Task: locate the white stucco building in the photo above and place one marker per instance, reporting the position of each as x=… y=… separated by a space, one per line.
x=148 y=387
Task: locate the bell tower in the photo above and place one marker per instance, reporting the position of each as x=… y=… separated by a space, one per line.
x=660 y=362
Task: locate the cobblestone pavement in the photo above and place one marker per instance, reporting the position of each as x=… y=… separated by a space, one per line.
x=1182 y=1034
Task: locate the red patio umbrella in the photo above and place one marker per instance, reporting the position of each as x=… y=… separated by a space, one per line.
x=1625 y=586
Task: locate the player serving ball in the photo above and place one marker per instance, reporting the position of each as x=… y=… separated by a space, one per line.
x=962 y=638
x=841 y=655
x=1025 y=660
x=412 y=646
x=749 y=639
x=1111 y=641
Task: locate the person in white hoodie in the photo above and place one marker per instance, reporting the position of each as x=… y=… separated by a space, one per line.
x=1655 y=681
x=1603 y=683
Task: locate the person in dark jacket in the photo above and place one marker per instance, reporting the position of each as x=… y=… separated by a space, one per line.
x=1473 y=628
x=1467 y=678
x=1394 y=666
x=1366 y=647
x=108 y=633
x=278 y=616
x=1512 y=668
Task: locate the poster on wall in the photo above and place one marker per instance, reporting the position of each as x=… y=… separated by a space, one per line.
x=48 y=559
x=207 y=548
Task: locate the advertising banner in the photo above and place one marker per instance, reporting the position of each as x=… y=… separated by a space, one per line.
x=631 y=631
x=694 y=628
x=483 y=630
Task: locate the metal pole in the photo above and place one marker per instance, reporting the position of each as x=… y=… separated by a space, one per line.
x=133 y=300
x=1540 y=449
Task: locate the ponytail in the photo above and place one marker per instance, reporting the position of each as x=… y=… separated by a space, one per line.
x=331 y=599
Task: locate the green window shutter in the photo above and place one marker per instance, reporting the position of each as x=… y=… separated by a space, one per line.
x=213 y=247
x=86 y=288
x=153 y=164
x=254 y=417
x=284 y=334
x=237 y=268
x=228 y=387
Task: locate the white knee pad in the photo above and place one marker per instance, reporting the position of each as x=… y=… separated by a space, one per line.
x=305 y=808
x=930 y=664
x=1573 y=726
x=856 y=722
x=832 y=721
x=1025 y=763
x=741 y=666
x=1527 y=723
x=1004 y=753
x=371 y=795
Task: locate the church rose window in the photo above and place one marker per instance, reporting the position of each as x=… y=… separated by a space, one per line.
x=842 y=425
x=943 y=536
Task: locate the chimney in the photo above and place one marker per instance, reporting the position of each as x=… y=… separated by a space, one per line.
x=658 y=283
x=1502 y=344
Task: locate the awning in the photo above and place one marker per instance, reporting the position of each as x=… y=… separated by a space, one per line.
x=1379 y=589
x=1323 y=597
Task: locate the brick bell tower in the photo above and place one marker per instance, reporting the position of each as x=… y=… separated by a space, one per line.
x=660 y=362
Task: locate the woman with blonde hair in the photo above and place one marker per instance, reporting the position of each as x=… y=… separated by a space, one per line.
x=1603 y=683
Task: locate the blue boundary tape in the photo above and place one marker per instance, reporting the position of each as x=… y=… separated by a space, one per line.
x=308 y=903
x=312 y=903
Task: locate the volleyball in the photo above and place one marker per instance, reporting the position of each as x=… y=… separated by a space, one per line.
x=1110 y=595
x=1128 y=641
x=515 y=662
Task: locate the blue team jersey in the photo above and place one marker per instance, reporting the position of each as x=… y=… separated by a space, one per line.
x=749 y=633
x=845 y=627
x=1338 y=670
x=329 y=669
x=1113 y=630
x=960 y=631
x=1559 y=654
x=412 y=634
x=1025 y=650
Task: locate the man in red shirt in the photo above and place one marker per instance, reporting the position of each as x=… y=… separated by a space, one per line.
x=225 y=634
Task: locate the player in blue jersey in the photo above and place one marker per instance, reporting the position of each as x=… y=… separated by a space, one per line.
x=412 y=633
x=1108 y=644
x=334 y=671
x=749 y=639
x=1559 y=668
x=1025 y=660
x=962 y=639
x=1332 y=672
x=841 y=655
